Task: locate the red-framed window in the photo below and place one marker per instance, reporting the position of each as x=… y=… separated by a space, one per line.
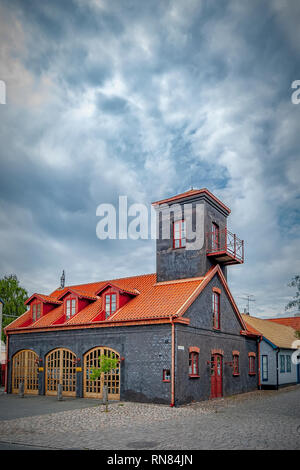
x=166 y=375
x=179 y=234
x=110 y=304
x=216 y=310
x=236 y=364
x=36 y=311
x=70 y=307
x=215 y=241
x=252 y=369
x=194 y=364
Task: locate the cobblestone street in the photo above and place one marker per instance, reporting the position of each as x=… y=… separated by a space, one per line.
x=256 y=420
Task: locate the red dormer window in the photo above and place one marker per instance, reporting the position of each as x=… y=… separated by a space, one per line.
x=36 y=311
x=179 y=234
x=70 y=307
x=110 y=304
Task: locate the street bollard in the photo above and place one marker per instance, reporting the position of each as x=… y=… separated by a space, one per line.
x=21 y=390
x=59 y=392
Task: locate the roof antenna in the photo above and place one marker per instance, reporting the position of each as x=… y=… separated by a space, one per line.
x=62 y=280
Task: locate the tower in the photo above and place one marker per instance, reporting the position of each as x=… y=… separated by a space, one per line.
x=193 y=236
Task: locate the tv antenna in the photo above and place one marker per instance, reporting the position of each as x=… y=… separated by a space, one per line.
x=249 y=298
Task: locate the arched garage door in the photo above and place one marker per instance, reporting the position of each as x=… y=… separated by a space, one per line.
x=25 y=369
x=61 y=369
x=94 y=388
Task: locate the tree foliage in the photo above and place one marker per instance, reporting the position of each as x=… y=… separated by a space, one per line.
x=14 y=297
x=295 y=302
x=106 y=365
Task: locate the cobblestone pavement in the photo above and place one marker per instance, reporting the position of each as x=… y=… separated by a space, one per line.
x=255 y=420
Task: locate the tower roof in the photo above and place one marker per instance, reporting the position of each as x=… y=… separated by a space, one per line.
x=190 y=194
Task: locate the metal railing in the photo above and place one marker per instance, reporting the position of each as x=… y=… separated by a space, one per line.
x=225 y=241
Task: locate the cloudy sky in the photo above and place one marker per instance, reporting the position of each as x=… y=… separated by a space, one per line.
x=144 y=99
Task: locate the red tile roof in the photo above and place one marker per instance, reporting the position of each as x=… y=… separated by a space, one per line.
x=293 y=322
x=152 y=301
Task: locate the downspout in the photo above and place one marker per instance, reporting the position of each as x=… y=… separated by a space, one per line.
x=6 y=368
x=277 y=352
x=172 y=363
x=259 y=362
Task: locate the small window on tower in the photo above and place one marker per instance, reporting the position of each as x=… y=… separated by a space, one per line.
x=216 y=310
x=215 y=237
x=179 y=234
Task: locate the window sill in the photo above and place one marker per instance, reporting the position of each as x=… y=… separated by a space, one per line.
x=236 y=374
x=167 y=381
x=216 y=329
x=252 y=373
x=194 y=376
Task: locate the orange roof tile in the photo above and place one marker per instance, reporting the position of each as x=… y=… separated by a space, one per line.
x=155 y=301
x=293 y=322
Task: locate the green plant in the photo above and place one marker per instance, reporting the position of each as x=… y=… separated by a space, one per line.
x=106 y=365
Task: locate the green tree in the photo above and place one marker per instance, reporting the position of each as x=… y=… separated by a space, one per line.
x=295 y=302
x=14 y=297
x=106 y=365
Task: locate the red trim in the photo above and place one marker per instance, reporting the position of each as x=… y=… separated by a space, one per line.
x=236 y=363
x=251 y=360
x=111 y=310
x=194 y=349
x=217 y=290
x=217 y=351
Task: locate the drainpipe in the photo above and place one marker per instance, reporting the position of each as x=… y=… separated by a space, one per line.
x=6 y=368
x=277 y=369
x=259 y=362
x=172 y=363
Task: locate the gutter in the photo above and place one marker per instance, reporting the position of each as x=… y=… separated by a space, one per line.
x=6 y=368
x=172 y=362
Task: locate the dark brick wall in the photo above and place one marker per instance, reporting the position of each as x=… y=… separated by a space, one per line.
x=200 y=312
x=189 y=389
x=146 y=349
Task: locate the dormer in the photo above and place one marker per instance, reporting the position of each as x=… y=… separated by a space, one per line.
x=40 y=305
x=113 y=298
x=73 y=302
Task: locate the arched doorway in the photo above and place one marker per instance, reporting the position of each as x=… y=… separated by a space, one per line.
x=25 y=369
x=94 y=388
x=61 y=369
x=216 y=374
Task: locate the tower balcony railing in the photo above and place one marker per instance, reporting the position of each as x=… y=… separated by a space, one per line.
x=225 y=247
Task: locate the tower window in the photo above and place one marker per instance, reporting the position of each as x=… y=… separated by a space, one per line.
x=179 y=234
x=215 y=237
x=110 y=304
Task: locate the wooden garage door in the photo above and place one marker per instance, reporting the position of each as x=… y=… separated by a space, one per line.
x=25 y=369
x=61 y=369
x=94 y=388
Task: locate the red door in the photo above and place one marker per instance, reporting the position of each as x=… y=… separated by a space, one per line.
x=216 y=376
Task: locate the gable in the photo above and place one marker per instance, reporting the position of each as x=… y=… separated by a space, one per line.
x=200 y=312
